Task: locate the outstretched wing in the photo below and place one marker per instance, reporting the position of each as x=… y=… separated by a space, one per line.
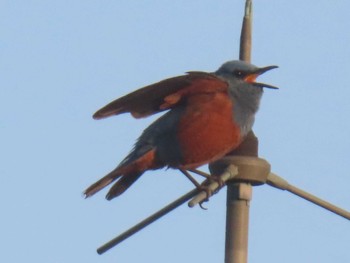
x=162 y=95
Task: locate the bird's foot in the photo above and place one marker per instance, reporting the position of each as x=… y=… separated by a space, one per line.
x=205 y=187
x=219 y=181
x=210 y=186
x=214 y=179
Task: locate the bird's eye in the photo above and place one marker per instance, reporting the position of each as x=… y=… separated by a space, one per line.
x=238 y=73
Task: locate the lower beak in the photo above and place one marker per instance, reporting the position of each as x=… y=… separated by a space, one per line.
x=264 y=85
x=251 y=78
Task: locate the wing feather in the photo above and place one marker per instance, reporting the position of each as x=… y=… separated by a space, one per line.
x=160 y=96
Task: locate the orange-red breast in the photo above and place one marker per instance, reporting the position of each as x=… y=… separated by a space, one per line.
x=208 y=115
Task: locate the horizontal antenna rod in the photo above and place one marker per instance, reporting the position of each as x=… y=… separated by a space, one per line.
x=149 y=220
x=280 y=183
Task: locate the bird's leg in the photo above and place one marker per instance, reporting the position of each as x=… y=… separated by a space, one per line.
x=190 y=177
x=209 y=177
x=199 y=186
x=205 y=185
x=220 y=182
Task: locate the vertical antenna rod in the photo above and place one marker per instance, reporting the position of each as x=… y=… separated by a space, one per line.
x=239 y=194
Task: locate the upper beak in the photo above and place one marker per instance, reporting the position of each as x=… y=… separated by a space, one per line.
x=251 y=77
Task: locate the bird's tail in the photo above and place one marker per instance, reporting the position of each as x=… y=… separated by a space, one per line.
x=122 y=185
x=128 y=172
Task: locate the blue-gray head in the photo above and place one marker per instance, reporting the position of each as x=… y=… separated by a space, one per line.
x=245 y=92
x=241 y=78
x=239 y=72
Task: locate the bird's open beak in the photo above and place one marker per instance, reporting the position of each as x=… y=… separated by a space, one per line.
x=252 y=77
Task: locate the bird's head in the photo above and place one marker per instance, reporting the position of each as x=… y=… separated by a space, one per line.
x=241 y=77
x=238 y=72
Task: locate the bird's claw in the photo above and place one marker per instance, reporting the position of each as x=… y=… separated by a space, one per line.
x=201 y=204
x=209 y=192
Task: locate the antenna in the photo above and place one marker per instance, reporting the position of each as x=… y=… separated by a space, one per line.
x=240 y=170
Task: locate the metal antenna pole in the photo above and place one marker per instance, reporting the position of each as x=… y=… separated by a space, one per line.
x=240 y=194
x=237 y=221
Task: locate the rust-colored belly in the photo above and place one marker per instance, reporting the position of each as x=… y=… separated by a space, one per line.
x=206 y=130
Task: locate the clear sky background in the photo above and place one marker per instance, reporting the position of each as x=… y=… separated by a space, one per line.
x=62 y=60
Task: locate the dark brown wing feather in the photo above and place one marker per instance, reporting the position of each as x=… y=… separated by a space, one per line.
x=148 y=100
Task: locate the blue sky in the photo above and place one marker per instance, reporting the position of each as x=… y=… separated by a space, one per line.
x=62 y=60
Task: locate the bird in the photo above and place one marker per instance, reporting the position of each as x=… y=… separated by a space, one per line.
x=207 y=116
